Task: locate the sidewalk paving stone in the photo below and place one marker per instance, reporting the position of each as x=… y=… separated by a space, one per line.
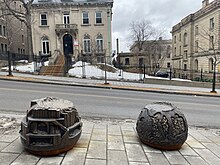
x=14 y=147
x=193 y=142
x=186 y=150
x=213 y=147
x=208 y=156
x=50 y=161
x=97 y=150
x=115 y=142
x=195 y=160
x=76 y=156
x=114 y=130
x=157 y=158
x=95 y=161
x=7 y=158
x=174 y=157
x=26 y=159
x=135 y=153
x=117 y=157
x=3 y=145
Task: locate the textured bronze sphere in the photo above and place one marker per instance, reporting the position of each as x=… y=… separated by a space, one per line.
x=161 y=125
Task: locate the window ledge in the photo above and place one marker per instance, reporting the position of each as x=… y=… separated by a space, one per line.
x=44 y=26
x=99 y=24
x=86 y=25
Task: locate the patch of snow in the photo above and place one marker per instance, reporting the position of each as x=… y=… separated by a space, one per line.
x=92 y=71
x=29 y=67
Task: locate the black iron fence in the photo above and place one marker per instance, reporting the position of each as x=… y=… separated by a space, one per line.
x=195 y=75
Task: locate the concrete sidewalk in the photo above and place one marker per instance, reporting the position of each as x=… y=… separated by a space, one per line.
x=122 y=85
x=114 y=142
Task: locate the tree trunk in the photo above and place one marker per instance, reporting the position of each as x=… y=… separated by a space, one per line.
x=29 y=38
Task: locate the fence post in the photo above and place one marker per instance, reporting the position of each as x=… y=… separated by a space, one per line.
x=9 y=64
x=170 y=72
x=201 y=76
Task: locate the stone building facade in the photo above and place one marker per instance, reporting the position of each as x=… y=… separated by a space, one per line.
x=75 y=28
x=13 y=34
x=154 y=54
x=195 y=40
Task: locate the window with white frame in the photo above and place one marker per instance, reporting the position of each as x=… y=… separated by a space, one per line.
x=45 y=45
x=87 y=44
x=85 y=17
x=98 y=16
x=66 y=18
x=99 y=43
x=43 y=19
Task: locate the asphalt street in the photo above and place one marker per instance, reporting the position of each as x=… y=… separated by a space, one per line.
x=110 y=103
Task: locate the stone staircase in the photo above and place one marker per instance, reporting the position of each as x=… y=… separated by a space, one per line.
x=54 y=70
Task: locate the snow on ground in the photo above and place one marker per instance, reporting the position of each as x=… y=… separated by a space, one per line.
x=91 y=71
x=28 y=67
x=96 y=72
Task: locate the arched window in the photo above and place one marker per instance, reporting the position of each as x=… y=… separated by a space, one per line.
x=211 y=67
x=196 y=65
x=185 y=39
x=99 y=43
x=87 y=44
x=45 y=45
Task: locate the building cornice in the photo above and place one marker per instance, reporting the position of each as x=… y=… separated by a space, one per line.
x=75 y=4
x=200 y=13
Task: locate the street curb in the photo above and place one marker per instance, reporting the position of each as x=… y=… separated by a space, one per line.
x=109 y=86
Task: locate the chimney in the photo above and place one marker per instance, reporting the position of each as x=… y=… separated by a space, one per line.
x=205 y=3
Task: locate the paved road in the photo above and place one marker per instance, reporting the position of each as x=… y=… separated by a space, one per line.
x=199 y=111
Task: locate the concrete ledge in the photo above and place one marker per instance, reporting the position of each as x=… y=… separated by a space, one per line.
x=180 y=83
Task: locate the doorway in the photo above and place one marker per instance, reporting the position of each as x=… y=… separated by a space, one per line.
x=67 y=44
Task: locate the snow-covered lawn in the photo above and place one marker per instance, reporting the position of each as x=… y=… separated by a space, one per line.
x=91 y=71
x=23 y=66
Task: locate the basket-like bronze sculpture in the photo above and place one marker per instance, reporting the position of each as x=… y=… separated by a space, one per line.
x=51 y=126
x=161 y=125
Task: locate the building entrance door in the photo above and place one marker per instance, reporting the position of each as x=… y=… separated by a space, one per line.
x=67 y=45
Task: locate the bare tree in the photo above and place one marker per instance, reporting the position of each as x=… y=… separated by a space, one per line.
x=146 y=42
x=23 y=14
x=210 y=45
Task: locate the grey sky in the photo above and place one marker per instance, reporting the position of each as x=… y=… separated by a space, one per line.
x=162 y=13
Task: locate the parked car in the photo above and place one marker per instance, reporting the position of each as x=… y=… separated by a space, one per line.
x=162 y=73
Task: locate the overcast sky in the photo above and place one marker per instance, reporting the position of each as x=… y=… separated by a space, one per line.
x=161 y=13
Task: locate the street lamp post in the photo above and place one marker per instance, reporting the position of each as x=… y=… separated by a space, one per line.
x=214 y=80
